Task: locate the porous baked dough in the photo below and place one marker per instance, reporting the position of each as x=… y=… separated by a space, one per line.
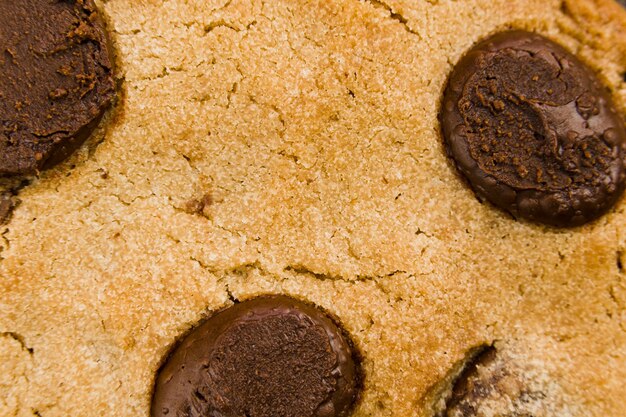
x=293 y=147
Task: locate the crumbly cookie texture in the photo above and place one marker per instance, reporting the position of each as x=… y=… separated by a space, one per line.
x=293 y=147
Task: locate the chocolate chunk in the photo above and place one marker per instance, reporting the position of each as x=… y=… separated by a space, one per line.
x=267 y=357
x=56 y=80
x=490 y=386
x=469 y=388
x=533 y=131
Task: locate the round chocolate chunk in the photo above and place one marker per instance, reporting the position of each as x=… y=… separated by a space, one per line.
x=268 y=357
x=56 y=80
x=533 y=131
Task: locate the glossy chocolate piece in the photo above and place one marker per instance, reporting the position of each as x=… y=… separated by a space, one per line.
x=267 y=357
x=533 y=130
x=56 y=80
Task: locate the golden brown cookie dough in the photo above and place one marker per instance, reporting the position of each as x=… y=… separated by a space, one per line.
x=293 y=147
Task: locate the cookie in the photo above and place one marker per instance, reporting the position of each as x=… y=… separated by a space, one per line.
x=295 y=149
x=56 y=81
x=271 y=356
x=533 y=130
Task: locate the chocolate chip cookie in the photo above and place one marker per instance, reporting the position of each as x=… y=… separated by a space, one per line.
x=279 y=219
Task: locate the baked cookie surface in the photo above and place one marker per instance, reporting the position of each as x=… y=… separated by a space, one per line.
x=293 y=147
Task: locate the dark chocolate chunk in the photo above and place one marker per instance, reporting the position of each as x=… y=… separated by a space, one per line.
x=267 y=357
x=533 y=131
x=56 y=80
x=470 y=388
x=490 y=386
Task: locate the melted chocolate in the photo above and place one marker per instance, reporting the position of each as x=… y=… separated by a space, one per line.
x=268 y=357
x=56 y=80
x=533 y=131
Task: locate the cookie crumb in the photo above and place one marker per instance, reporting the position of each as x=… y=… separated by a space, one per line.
x=200 y=206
